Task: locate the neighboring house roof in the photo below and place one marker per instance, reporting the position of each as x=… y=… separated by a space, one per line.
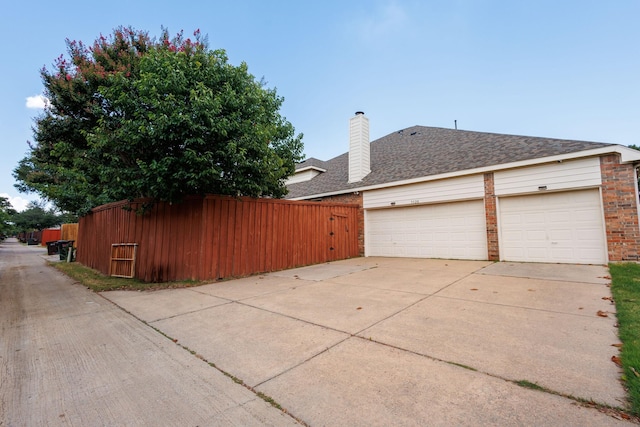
x=311 y=162
x=421 y=151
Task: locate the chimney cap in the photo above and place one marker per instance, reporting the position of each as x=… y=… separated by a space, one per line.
x=359 y=113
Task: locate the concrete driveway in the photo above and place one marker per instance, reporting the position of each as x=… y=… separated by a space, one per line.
x=382 y=341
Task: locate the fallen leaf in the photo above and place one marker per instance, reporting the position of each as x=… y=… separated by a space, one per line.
x=604 y=277
x=619 y=345
x=473 y=289
x=602 y=313
x=607 y=298
x=359 y=308
x=531 y=290
x=616 y=360
x=580 y=308
x=625 y=416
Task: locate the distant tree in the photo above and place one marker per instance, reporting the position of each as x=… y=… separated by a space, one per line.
x=133 y=117
x=35 y=217
x=7 y=226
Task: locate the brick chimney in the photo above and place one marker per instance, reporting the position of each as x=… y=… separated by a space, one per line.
x=359 y=153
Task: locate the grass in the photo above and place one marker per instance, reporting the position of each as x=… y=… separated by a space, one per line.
x=98 y=282
x=530 y=385
x=463 y=366
x=625 y=288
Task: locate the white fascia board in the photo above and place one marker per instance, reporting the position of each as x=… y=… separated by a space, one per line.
x=320 y=169
x=628 y=155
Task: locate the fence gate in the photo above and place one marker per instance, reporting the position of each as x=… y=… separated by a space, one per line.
x=339 y=242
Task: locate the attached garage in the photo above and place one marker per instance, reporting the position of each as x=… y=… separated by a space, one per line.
x=446 y=230
x=563 y=227
x=447 y=193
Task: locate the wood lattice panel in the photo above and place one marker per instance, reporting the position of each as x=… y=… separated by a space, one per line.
x=123 y=260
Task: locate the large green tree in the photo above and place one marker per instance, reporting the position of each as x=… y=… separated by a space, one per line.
x=134 y=117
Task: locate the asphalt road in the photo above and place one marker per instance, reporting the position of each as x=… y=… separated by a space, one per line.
x=70 y=357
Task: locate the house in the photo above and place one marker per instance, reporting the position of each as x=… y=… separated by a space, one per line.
x=444 y=193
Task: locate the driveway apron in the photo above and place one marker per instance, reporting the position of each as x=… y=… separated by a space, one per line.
x=390 y=341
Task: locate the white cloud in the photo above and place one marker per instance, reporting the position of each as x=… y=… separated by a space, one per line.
x=37 y=102
x=18 y=203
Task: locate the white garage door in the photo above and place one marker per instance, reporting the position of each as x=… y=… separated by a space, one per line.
x=449 y=230
x=555 y=227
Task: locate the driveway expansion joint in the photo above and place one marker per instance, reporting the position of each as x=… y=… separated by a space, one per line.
x=526 y=308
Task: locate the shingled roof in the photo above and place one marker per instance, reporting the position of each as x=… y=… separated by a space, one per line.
x=421 y=151
x=311 y=162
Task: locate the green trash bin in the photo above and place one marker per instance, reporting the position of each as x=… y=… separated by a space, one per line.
x=64 y=246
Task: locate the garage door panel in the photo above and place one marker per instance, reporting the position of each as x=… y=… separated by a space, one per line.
x=554 y=227
x=558 y=217
x=536 y=236
x=532 y=217
x=536 y=253
x=511 y=219
x=450 y=230
x=563 y=236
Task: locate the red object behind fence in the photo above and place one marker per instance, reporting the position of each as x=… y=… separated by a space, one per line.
x=50 y=235
x=219 y=237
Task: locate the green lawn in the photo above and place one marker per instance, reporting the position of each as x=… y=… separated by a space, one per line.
x=98 y=282
x=626 y=293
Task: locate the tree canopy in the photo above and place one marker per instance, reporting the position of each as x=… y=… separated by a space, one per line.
x=36 y=217
x=134 y=117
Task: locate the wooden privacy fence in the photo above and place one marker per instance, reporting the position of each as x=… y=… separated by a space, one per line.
x=218 y=237
x=69 y=231
x=50 y=235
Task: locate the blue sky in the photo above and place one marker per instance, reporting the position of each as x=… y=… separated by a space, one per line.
x=565 y=69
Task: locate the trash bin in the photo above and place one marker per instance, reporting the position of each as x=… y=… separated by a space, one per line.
x=52 y=248
x=64 y=246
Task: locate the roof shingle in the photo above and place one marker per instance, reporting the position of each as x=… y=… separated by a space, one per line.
x=421 y=151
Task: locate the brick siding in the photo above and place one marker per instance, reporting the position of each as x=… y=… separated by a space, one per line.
x=491 y=218
x=620 y=197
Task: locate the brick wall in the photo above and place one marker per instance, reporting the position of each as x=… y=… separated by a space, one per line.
x=619 y=197
x=491 y=218
x=352 y=198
